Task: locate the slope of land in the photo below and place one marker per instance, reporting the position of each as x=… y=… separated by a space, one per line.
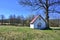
x=25 y=33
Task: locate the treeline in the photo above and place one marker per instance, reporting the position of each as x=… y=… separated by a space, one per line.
x=24 y=21
x=54 y=22
x=16 y=20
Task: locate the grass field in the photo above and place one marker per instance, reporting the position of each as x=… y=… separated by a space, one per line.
x=25 y=33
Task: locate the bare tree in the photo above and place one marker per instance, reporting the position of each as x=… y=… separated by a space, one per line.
x=29 y=19
x=12 y=19
x=18 y=20
x=2 y=19
x=22 y=20
x=48 y=6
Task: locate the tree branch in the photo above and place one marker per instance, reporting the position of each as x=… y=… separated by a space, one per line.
x=26 y=2
x=54 y=11
x=42 y=4
x=54 y=3
x=33 y=3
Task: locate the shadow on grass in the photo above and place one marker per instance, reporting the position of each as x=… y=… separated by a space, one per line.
x=50 y=29
x=44 y=29
x=55 y=29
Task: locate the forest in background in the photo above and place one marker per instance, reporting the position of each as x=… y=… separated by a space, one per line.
x=24 y=21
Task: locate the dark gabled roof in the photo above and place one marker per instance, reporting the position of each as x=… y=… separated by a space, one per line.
x=36 y=18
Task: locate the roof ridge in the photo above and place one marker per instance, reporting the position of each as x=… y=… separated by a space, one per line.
x=36 y=18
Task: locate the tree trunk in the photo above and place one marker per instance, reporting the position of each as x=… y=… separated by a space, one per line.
x=47 y=20
x=47 y=15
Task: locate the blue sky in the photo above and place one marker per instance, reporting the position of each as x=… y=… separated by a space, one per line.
x=8 y=7
x=11 y=7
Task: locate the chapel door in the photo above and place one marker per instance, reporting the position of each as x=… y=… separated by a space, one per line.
x=39 y=25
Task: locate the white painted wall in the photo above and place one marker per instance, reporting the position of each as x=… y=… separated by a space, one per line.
x=32 y=26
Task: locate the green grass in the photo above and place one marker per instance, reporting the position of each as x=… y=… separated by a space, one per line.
x=25 y=33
